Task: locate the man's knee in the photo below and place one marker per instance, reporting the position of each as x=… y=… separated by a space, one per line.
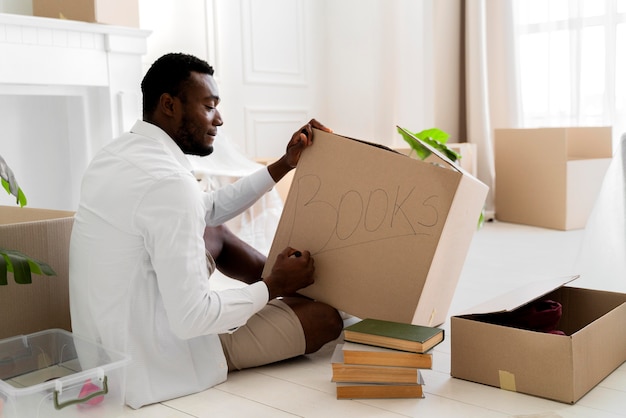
x=321 y=322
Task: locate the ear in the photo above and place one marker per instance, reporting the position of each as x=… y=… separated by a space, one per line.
x=168 y=104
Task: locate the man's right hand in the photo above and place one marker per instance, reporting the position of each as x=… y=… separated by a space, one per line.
x=292 y=271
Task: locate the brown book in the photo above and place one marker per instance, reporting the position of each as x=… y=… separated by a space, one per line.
x=355 y=353
x=396 y=335
x=359 y=373
x=378 y=391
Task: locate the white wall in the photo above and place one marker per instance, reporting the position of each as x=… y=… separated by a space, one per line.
x=360 y=66
x=176 y=26
x=378 y=68
x=367 y=64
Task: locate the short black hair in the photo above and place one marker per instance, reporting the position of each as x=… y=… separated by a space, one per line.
x=167 y=75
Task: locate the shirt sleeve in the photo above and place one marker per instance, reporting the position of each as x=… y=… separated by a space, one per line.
x=229 y=201
x=171 y=218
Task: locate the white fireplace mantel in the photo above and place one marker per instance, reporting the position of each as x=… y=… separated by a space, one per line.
x=80 y=81
x=39 y=51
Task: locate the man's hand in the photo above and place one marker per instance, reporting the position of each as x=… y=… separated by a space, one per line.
x=301 y=139
x=292 y=271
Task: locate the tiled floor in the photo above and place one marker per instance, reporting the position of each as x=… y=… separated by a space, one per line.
x=501 y=258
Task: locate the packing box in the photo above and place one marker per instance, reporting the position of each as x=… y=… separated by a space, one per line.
x=550 y=177
x=53 y=373
x=389 y=233
x=558 y=367
x=43 y=235
x=110 y=12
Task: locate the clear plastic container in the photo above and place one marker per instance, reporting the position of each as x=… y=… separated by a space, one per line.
x=54 y=373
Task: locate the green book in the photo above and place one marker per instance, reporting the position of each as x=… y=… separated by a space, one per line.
x=396 y=335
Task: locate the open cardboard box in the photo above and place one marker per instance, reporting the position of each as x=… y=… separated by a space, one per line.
x=389 y=233
x=550 y=177
x=43 y=235
x=562 y=368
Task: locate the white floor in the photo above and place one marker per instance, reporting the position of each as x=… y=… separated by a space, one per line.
x=501 y=258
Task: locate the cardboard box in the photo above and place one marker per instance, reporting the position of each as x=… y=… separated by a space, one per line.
x=550 y=177
x=558 y=367
x=43 y=235
x=110 y=12
x=389 y=233
x=85 y=378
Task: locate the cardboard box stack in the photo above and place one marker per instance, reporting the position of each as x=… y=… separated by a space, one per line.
x=383 y=359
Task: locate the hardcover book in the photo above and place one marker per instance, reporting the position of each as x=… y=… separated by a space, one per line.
x=359 y=373
x=396 y=335
x=378 y=391
x=355 y=353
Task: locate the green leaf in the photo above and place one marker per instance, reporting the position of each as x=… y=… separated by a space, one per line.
x=20 y=198
x=481 y=219
x=6 y=185
x=21 y=270
x=435 y=134
x=39 y=267
x=21 y=266
x=434 y=137
x=3 y=272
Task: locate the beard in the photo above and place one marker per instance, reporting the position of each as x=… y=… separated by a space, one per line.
x=191 y=139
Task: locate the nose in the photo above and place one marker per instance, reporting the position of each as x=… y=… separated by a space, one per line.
x=217 y=120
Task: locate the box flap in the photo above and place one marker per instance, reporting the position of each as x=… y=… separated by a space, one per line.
x=520 y=296
x=439 y=157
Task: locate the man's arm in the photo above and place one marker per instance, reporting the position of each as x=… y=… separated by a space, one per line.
x=233 y=256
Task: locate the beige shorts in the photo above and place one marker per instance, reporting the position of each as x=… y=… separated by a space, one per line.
x=272 y=334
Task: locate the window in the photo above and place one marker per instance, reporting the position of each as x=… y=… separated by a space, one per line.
x=572 y=62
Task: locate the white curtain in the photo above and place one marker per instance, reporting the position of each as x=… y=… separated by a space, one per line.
x=491 y=90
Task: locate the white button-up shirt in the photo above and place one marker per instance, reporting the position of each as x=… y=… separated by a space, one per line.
x=138 y=267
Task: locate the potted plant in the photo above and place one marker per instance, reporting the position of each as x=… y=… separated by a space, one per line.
x=16 y=262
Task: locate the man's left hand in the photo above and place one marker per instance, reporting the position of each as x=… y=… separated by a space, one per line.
x=302 y=139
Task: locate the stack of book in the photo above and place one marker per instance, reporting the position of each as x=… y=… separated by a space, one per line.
x=383 y=359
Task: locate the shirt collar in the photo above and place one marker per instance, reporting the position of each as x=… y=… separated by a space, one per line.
x=152 y=131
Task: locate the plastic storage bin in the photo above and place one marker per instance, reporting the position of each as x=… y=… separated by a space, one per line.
x=54 y=373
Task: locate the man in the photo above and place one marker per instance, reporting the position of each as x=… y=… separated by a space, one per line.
x=144 y=241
